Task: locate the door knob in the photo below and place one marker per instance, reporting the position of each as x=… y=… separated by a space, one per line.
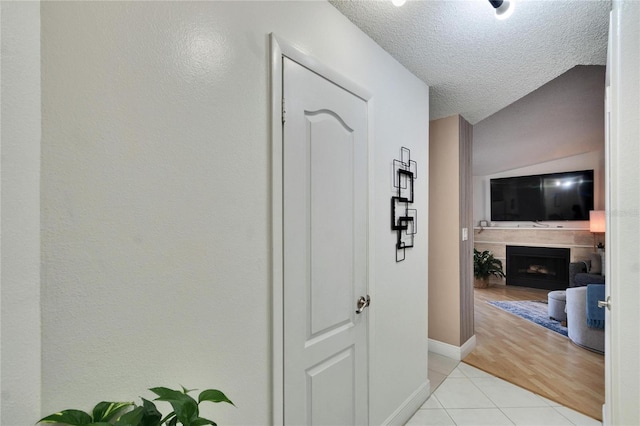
x=363 y=303
x=605 y=303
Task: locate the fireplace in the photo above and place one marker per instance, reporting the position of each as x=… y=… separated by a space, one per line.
x=538 y=267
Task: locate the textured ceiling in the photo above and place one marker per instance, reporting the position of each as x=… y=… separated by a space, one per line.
x=476 y=64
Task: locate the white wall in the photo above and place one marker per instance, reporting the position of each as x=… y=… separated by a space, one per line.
x=156 y=200
x=561 y=119
x=20 y=208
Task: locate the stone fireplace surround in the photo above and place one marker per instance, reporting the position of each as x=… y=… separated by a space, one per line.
x=496 y=238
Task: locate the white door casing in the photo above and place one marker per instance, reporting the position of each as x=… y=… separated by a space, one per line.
x=325 y=243
x=606 y=414
x=622 y=363
x=606 y=407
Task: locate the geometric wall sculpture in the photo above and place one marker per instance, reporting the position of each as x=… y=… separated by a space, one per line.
x=404 y=220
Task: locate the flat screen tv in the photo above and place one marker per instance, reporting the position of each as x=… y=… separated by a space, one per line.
x=548 y=197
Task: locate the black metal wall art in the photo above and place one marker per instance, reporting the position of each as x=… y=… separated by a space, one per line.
x=403 y=219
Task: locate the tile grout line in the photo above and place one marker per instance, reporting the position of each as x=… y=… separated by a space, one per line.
x=544 y=404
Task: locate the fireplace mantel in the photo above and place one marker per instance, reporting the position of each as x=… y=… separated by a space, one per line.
x=529 y=227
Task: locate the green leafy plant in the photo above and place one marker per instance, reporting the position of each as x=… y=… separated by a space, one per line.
x=185 y=412
x=484 y=264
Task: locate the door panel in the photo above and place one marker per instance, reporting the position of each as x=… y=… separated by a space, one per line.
x=338 y=408
x=325 y=250
x=331 y=251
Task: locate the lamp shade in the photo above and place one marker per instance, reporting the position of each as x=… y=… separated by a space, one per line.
x=597 y=221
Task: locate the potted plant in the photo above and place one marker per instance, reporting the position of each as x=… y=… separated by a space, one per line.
x=185 y=411
x=485 y=265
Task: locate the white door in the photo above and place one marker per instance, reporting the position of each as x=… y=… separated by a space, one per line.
x=325 y=251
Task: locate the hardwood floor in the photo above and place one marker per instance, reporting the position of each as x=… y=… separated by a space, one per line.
x=534 y=357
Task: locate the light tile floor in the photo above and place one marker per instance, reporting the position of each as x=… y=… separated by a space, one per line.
x=465 y=395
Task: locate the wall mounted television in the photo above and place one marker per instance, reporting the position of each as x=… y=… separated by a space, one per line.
x=545 y=197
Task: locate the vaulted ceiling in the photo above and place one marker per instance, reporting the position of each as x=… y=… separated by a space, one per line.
x=476 y=64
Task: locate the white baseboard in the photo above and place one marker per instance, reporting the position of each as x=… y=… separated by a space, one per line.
x=409 y=407
x=468 y=346
x=451 y=351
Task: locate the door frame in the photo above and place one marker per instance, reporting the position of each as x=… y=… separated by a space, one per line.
x=622 y=244
x=281 y=48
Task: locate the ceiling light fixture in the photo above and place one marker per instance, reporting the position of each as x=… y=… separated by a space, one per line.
x=504 y=8
x=398 y=3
